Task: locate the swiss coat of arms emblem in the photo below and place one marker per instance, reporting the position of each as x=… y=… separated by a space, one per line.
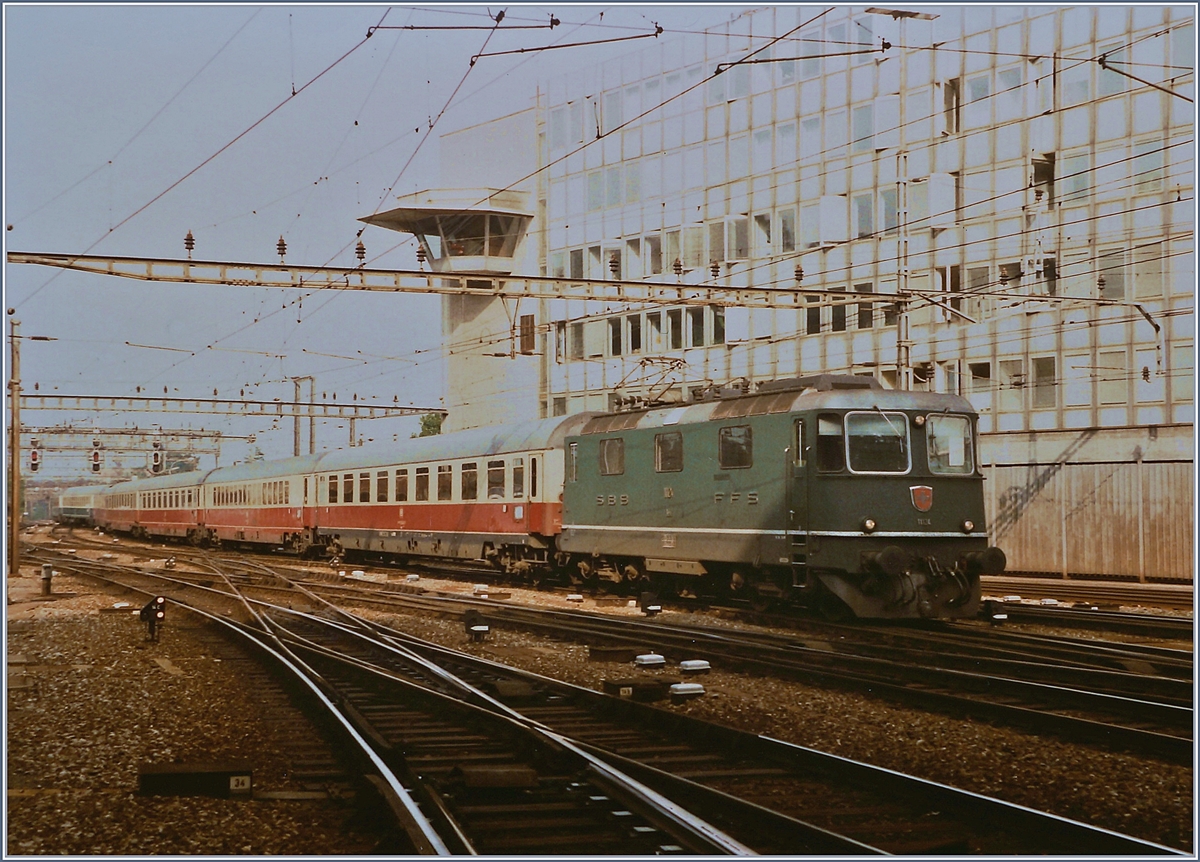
x=922 y=497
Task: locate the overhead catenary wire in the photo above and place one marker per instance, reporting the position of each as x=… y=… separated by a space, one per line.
x=207 y=160
x=149 y=122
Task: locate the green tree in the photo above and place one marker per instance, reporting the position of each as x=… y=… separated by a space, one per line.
x=431 y=424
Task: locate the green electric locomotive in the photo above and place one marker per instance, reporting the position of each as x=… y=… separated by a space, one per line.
x=827 y=491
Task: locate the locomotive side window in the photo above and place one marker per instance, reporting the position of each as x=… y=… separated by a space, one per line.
x=422 y=489
x=572 y=464
x=668 y=452
x=533 y=473
x=735 y=447
x=831 y=452
x=495 y=480
x=445 y=489
x=470 y=481
x=612 y=456
x=518 y=478
x=948 y=441
x=401 y=486
x=877 y=442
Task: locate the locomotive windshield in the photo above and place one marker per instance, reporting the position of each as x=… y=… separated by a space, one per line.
x=949 y=444
x=877 y=442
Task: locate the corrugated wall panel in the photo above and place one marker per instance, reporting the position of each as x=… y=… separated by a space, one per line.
x=1132 y=519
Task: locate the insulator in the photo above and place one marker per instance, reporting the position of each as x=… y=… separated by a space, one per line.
x=614 y=264
x=420 y=254
x=189 y=242
x=360 y=251
x=715 y=269
x=281 y=247
x=677 y=266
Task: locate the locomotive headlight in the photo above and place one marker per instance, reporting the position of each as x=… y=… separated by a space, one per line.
x=918 y=421
x=968 y=526
x=868 y=525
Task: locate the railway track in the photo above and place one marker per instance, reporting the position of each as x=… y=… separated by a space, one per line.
x=1122 y=696
x=1094 y=612
x=614 y=814
x=1118 y=696
x=1181 y=596
x=839 y=806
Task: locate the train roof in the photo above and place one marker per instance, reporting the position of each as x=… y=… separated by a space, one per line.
x=257 y=471
x=158 y=483
x=826 y=391
x=482 y=442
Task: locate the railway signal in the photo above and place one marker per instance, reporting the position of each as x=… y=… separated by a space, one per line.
x=156 y=458
x=153 y=613
x=35 y=457
x=96 y=459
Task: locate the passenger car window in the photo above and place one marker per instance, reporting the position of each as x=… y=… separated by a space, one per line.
x=422 y=484
x=612 y=456
x=948 y=442
x=831 y=451
x=668 y=452
x=495 y=480
x=381 y=486
x=519 y=478
x=401 y=486
x=735 y=447
x=877 y=442
x=470 y=481
x=445 y=488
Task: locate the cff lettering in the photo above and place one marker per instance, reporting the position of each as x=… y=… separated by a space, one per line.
x=735 y=497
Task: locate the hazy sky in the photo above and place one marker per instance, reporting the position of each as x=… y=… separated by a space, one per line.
x=106 y=107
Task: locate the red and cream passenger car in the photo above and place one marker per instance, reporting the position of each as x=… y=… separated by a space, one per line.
x=485 y=493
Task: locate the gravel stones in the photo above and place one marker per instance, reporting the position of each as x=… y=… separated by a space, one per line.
x=88 y=703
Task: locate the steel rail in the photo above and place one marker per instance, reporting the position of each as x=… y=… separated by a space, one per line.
x=424 y=838
x=681 y=824
x=677 y=820
x=1083 y=838
x=1097 y=839
x=954 y=691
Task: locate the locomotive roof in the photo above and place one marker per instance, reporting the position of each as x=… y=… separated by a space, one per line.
x=83 y=491
x=492 y=440
x=778 y=401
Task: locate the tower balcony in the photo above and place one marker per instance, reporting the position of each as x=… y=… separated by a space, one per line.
x=463 y=230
